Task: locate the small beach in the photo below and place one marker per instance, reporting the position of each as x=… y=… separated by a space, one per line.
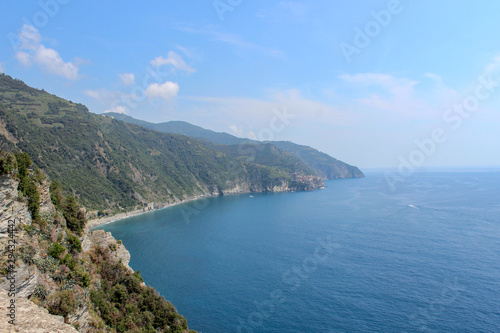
x=97 y=222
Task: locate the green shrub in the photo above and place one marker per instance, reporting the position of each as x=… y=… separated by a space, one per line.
x=137 y=275
x=85 y=280
x=62 y=303
x=28 y=186
x=31 y=192
x=27 y=254
x=69 y=261
x=56 y=195
x=23 y=163
x=125 y=305
x=119 y=293
x=39 y=175
x=74 y=243
x=41 y=292
x=75 y=220
x=8 y=163
x=132 y=284
x=55 y=250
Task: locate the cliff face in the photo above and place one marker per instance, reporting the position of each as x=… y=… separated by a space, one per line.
x=298 y=183
x=38 y=275
x=100 y=238
x=30 y=317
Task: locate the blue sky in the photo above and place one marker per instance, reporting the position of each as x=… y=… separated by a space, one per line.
x=374 y=83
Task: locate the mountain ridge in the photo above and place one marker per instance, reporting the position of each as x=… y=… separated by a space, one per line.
x=113 y=165
x=322 y=164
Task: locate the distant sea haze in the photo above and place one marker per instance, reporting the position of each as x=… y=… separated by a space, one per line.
x=355 y=257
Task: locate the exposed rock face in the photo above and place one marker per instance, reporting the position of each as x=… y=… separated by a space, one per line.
x=13 y=208
x=299 y=183
x=27 y=279
x=30 y=318
x=46 y=205
x=105 y=239
x=10 y=206
x=31 y=271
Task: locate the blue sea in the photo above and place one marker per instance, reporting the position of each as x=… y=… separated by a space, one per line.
x=358 y=256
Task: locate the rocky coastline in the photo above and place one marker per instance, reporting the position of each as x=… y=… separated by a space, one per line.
x=32 y=270
x=306 y=183
x=31 y=267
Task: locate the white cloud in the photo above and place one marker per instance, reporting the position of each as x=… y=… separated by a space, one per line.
x=446 y=94
x=174 y=60
x=241 y=133
x=31 y=50
x=236 y=130
x=51 y=61
x=283 y=11
x=30 y=37
x=233 y=40
x=388 y=93
x=189 y=52
x=281 y=112
x=167 y=90
x=293 y=7
x=127 y=78
x=2 y=67
x=104 y=96
x=116 y=109
x=384 y=80
x=130 y=100
x=24 y=58
x=438 y=79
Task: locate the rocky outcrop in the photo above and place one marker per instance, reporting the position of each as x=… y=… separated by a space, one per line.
x=27 y=278
x=29 y=317
x=34 y=269
x=11 y=206
x=105 y=239
x=298 y=183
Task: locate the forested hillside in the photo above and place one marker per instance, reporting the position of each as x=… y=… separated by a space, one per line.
x=319 y=163
x=108 y=163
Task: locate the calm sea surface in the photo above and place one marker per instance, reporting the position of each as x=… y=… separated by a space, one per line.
x=355 y=257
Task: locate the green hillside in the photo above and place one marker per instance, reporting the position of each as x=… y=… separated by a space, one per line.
x=323 y=164
x=266 y=154
x=319 y=163
x=108 y=163
x=183 y=128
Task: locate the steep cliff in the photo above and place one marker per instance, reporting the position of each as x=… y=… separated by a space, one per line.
x=29 y=317
x=73 y=276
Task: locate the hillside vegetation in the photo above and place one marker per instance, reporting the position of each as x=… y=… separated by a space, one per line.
x=107 y=163
x=323 y=164
x=319 y=163
x=60 y=265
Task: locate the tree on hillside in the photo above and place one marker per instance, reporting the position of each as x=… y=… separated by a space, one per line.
x=75 y=218
x=7 y=162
